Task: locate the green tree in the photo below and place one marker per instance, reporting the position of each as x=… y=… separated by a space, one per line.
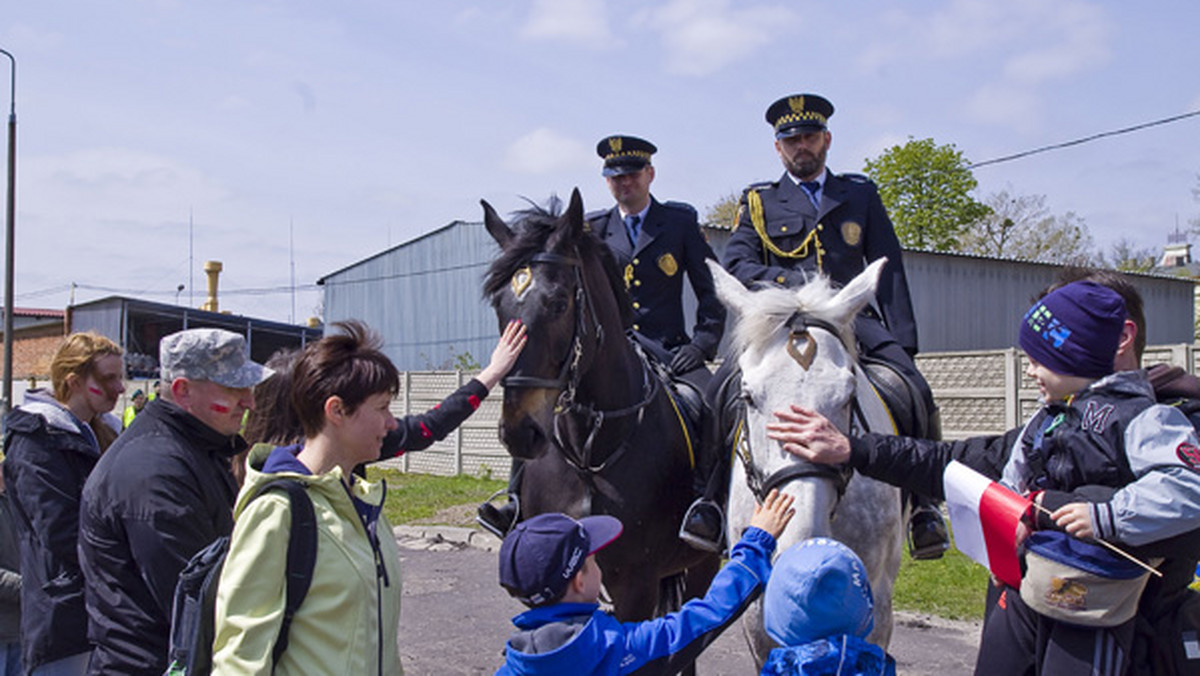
x=1022 y=227
x=926 y=190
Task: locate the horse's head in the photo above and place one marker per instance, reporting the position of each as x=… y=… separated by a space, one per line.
x=796 y=346
x=557 y=278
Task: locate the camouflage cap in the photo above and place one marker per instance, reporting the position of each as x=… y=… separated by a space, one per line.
x=209 y=354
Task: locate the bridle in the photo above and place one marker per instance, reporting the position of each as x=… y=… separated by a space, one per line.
x=587 y=332
x=801 y=347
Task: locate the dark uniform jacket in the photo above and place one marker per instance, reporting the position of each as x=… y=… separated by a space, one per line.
x=853 y=230
x=162 y=492
x=670 y=245
x=421 y=430
x=50 y=455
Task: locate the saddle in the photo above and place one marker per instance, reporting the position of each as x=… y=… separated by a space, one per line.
x=902 y=399
x=688 y=398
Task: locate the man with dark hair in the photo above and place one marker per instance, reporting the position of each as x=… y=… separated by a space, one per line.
x=1169 y=612
x=813 y=221
x=161 y=493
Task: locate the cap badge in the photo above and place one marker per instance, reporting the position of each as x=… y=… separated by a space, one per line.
x=796 y=103
x=614 y=144
x=667 y=264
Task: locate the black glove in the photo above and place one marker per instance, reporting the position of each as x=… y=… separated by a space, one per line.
x=687 y=358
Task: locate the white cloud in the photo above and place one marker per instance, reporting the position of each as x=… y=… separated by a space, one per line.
x=543 y=151
x=703 y=36
x=1032 y=44
x=577 y=21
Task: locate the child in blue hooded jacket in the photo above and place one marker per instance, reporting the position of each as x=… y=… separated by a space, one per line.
x=818 y=605
x=548 y=562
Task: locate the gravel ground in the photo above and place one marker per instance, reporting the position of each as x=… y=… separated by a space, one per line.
x=455 y=617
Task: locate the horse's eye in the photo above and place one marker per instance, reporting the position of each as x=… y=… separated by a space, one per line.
x=557 y=306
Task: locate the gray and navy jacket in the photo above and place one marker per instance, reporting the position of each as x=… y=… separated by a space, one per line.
x=1114 y=435
x=579 y=638
x=50 y=454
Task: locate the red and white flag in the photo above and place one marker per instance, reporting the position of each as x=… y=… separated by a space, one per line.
x=984 y=516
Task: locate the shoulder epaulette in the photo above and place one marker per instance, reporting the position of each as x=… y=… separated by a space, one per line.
x=857 y=178
x=682 y=206
x=596 y=215
x=759 y=187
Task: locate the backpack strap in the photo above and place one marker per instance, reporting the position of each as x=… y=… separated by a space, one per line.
x=301 y=555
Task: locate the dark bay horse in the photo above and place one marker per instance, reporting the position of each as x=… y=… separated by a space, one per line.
x=598 y=431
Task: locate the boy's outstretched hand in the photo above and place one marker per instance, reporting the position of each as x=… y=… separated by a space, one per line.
x=505 y=355
x=774 y=513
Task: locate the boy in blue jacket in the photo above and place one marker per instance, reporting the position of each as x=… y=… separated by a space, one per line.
x=818 y=605
x=548 y=563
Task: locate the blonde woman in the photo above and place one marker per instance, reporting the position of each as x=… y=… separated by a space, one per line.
x=51 y=448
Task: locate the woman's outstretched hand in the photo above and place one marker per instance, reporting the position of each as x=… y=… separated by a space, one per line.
x=512 y=341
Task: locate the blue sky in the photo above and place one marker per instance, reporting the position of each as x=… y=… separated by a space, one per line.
x=356 y=125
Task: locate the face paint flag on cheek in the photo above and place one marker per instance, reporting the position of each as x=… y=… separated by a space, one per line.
x=95 y=390
x=220 y=407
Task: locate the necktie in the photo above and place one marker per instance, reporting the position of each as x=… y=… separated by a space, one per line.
x=811 y=187
x=632 y=224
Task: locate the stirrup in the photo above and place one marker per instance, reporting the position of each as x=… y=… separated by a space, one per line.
x=494 y=528
x=697 y=542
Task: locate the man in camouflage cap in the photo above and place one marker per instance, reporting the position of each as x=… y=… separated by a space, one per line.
x=162 y=492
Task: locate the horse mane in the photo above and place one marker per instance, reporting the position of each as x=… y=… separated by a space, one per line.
x=770 y=308
x=532 y=228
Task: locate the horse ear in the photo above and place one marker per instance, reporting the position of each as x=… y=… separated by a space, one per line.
x=861 y=290
x=496 y=226
x=575 y=214
x=733 y=294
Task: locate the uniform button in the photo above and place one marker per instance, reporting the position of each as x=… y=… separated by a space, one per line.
x=636 y=305
x=779 y=279
x=635 y=261
x=637 y=282
x=783 y=229
x=636 y=327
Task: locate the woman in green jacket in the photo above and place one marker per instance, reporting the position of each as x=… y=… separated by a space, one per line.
x=341 y=390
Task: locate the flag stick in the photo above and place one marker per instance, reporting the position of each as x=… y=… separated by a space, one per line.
x=1112 y=547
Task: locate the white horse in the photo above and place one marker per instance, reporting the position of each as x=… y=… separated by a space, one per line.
x=796 y=346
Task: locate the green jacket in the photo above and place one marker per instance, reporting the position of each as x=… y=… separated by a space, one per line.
x=337 y=628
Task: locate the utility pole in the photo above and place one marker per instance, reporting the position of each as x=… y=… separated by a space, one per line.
x=10 y=230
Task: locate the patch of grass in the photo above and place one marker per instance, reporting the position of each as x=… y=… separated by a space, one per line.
x=952 y=587
x=420 y=496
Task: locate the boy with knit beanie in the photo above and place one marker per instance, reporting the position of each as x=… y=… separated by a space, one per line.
x=1100 y=455
x=818 y=605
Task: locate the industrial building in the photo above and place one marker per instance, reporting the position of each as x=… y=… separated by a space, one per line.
x=425 y=297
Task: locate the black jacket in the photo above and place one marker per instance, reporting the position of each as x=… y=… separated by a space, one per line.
x=854 y=231
x=669 y=247
x=419 y=431
x=161 y=493
x=917 y=465
x=10 y=577
x=49 y=456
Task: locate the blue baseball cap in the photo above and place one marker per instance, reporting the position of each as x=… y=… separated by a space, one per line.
x=818 y=589
x=541 y=555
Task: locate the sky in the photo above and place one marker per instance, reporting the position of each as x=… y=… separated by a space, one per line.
x=291 y=138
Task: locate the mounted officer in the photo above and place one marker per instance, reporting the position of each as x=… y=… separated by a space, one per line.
x=813 y=221
x=655 y=244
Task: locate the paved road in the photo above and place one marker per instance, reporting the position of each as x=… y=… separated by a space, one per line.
x=455 y=620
